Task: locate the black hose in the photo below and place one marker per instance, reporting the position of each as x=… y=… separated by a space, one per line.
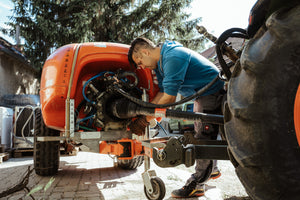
x=222 y=62
x=124 y=109
x=151 y=105
x=132 y=74
x=233 y=32
x=228 y=33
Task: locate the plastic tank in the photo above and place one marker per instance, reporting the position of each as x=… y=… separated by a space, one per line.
x=6 y=124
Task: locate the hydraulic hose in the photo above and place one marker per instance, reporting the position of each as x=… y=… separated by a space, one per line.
x=87 y=82
x=121 y=77
x=221 y=47
x=151 y=105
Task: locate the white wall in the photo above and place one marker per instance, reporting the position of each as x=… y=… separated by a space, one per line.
x=16 y=77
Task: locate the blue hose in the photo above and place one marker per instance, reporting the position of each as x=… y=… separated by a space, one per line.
x=86 y=118
x=164 y=130
x=86 y=83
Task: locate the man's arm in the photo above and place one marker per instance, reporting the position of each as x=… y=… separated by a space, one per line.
x=161 y=98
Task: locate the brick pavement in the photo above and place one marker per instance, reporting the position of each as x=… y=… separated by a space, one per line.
x=93 y=176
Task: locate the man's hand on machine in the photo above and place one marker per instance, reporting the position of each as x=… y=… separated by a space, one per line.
x=139 y=125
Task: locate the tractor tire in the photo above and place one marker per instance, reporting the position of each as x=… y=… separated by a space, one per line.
x=13 y=100
x=259 y=124
x=131 y=164
x=46 y=154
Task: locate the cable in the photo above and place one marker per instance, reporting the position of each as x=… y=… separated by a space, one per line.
x=86 y=118
x=162 y=128
x=151 y=105
x=87 y=128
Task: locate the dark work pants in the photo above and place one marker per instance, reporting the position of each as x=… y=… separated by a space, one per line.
x=204 y=168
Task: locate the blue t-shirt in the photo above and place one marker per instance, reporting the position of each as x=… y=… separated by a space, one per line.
x=185 y=71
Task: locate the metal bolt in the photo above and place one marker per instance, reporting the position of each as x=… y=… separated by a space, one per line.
x=161 y=155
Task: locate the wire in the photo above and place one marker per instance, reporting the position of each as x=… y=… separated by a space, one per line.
x=151 y=105
x=86 y=128
x=86 y=118
x=162 y=128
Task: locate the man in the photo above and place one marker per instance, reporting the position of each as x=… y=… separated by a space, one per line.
x=180 y=70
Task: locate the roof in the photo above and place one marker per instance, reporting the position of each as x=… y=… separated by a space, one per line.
x=11 y=51
x=211 y=54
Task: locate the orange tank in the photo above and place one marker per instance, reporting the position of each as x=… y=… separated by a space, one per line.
x=88 y=59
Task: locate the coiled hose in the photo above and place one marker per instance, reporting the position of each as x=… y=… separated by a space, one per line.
x=233 y=32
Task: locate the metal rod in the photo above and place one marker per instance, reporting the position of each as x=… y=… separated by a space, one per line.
x=211 y=152
x=67 y=131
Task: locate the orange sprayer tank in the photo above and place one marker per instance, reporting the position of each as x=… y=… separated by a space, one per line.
x=92 y=58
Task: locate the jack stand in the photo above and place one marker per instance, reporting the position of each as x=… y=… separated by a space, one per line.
x=147 y=173
x=154 y=187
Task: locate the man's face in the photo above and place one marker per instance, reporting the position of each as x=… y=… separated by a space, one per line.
x=144 y=59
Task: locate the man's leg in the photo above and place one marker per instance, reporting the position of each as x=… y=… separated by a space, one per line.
x=204 y=169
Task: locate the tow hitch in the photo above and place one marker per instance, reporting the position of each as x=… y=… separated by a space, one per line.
x=181 y=150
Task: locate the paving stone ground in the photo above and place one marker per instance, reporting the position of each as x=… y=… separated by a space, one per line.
x=93 y=176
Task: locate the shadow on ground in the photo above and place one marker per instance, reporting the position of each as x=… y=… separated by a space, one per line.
x=72 y=179
x=238 y=198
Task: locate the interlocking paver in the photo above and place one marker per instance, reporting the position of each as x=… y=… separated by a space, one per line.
x=68 y=194
x=93 y=176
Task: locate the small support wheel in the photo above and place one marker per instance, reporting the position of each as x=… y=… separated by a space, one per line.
x=159 y=189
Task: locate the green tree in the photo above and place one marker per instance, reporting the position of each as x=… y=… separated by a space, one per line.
x=48 y=24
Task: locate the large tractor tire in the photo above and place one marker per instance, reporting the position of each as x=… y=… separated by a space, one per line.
x=259 y=115
x=46 y=154
x=131 y=164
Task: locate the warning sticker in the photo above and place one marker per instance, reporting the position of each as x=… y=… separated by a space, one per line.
x=160 y=112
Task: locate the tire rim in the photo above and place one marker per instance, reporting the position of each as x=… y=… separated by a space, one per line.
x=297 y=114
x=156 y=192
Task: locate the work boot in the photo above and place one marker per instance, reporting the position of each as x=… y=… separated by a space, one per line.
x=215 y=175
x=187 y=191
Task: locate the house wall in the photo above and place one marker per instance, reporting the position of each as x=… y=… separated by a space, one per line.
x=17 y=77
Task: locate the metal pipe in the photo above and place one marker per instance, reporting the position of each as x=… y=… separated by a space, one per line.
x=67 y=131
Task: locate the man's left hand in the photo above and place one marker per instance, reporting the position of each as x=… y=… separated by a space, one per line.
x=139 y=125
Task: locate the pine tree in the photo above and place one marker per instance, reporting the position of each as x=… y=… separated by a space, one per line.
x=48 y=24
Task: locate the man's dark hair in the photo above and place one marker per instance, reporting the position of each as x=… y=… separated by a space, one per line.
x=136 y=44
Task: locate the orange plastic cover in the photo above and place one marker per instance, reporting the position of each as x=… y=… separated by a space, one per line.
x=297 y=114
x=92 y=58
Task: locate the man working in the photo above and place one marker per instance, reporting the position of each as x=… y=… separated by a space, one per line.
x=180 y=70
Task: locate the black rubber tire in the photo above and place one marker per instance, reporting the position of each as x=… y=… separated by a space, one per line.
x=259 y=122
x=12 y=100
x=158 y=187
x=131 y=164
x=45 y=154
